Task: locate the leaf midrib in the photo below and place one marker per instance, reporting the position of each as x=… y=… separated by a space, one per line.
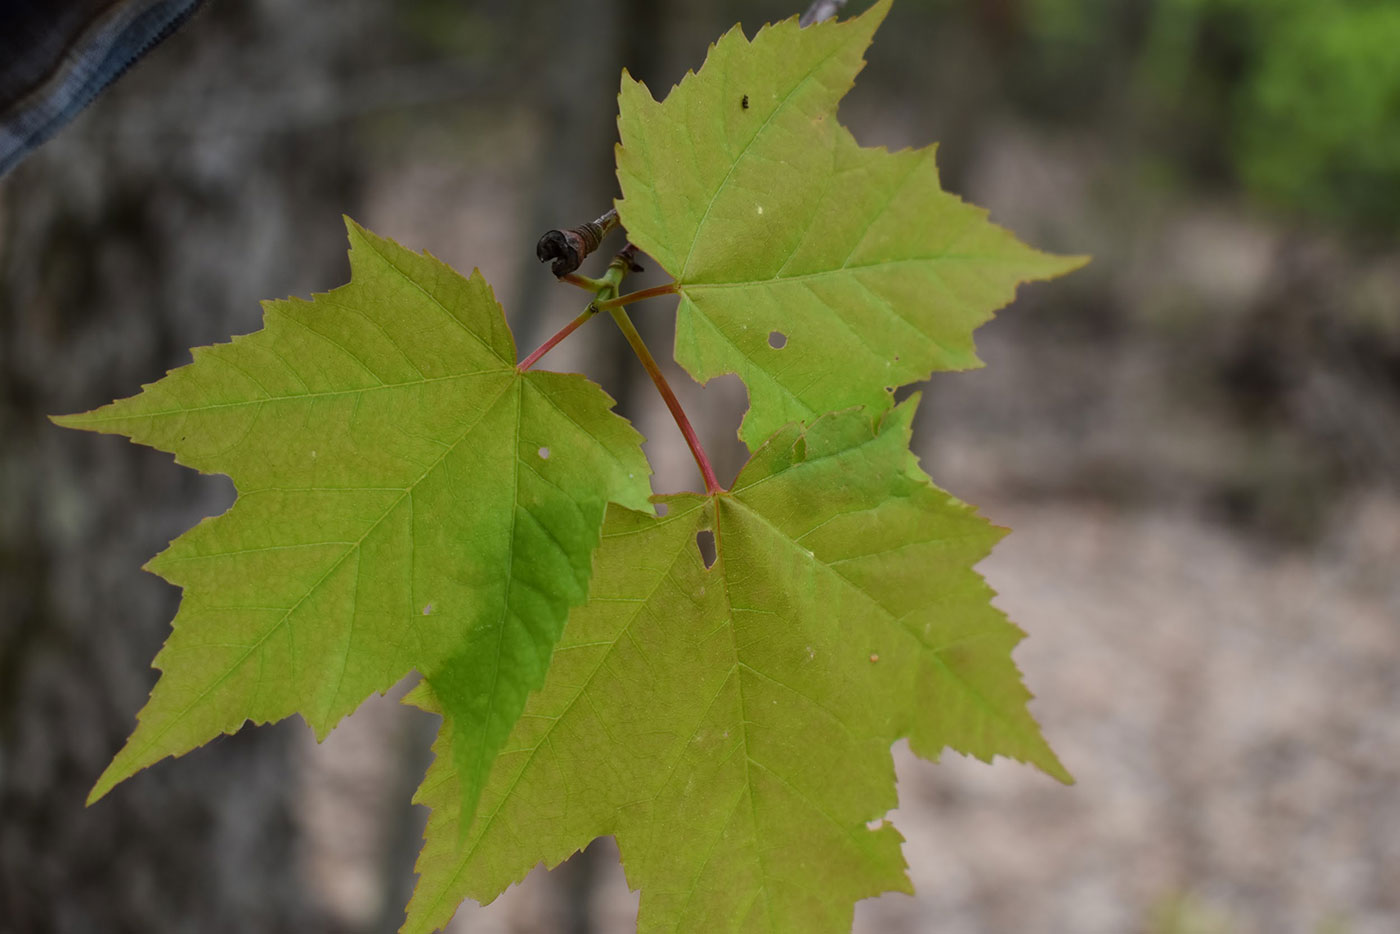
x=352 y=548
x=769 y=281
x=489 y=820
x=94 y=418
x=935 y=652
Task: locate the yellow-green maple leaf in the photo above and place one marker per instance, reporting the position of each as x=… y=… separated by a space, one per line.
x=407 y=500
x=781 y=230
x=731 y=726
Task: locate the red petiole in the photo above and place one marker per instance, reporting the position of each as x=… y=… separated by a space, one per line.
x=614 y=305
x=562 y=333
x=658 y=379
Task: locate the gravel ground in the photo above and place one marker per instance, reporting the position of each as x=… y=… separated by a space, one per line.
x=1228 y=713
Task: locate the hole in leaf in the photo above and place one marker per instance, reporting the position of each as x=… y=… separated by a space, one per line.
x=705 y=541
x=662 y=508
x=544 y=454
x=777 y=340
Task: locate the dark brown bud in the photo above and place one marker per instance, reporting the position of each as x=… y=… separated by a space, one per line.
x=566 y=249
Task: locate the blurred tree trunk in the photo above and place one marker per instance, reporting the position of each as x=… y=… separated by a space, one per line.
x=153 y=224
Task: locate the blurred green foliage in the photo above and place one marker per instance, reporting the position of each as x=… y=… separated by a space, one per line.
x=1184 y=913
x=1297 y=99
x=1319 y=121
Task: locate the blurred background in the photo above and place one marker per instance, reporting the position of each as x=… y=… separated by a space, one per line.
x=1196 y=440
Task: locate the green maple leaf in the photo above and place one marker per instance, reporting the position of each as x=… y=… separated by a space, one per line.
x=731 y=726
x=778 y=226
x=407 y=500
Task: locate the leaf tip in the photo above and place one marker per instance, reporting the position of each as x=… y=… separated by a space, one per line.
x=111 y=777
x=868 y=22
x=1042 y=756
x=91 y=420
x=74 y=420
x=359 y=236
x=629 y=85
x=353 y=228
x=1064 y=265
x=1051 y=765
x=878 y=10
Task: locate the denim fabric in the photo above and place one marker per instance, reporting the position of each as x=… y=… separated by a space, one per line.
x=57 y=55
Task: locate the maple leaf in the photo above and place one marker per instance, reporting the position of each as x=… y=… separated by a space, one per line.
x=407 y=500
x=731 y=726
x=820 y=272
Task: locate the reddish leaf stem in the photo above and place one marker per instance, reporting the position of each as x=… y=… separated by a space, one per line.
x=669 y=288
x=658 y=378
x=609 y=283
x=563 y=332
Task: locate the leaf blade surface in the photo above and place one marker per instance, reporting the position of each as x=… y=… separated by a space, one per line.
x=819 y=271
x=731 y=726
x=407 y=500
